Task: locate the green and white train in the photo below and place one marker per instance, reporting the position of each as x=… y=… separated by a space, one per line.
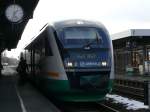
x=72 y=60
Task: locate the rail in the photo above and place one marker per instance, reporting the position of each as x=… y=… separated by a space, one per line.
x=107 y=108
x=134 y=89
x=87 y=107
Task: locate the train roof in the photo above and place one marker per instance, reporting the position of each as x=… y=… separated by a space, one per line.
x=137 y=36
x=35 y=37
x=68 y=23
x=76 y=23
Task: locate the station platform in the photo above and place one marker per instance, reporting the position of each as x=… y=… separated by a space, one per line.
x=133 y=77
x=25 y=98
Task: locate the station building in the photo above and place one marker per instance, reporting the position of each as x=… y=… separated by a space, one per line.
x=132 y=52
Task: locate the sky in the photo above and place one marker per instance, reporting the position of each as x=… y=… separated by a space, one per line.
x=116 y=15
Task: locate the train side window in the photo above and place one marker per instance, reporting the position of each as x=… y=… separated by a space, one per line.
x=48 y=50
x=42 y=47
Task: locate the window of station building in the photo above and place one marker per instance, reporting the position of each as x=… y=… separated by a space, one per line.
x=149 y=54
x=138 y=61
x=137 y=58
x=120 y=62
x=128 y=58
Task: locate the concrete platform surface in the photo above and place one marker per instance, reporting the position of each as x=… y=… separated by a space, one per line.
x=25 y=98
x=133 y=77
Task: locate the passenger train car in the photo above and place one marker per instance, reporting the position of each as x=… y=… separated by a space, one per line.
x=72 y=60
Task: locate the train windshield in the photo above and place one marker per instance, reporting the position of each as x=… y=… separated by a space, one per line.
x=80 y=33
x=81 y=36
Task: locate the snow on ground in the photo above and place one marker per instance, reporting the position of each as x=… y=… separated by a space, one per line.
x=8 y=71
x=129 y=103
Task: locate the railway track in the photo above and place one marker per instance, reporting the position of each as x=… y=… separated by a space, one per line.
x=133 y=89
x=87 y=107
x=106 y=108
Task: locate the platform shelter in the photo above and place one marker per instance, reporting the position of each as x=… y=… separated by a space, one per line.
x=132 y=52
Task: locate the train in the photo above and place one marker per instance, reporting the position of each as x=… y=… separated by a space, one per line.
x=72 y=60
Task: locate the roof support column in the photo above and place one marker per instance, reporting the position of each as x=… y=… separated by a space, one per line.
x=1 y=66
x=144 y=57
x=146 y=60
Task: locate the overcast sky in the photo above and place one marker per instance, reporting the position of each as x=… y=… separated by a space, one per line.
x=116 y=15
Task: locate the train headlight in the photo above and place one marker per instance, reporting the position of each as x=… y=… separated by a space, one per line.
x=69 y=64
x=104 y=63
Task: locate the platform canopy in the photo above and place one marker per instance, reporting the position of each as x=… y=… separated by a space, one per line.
x=131 y=38
x=14 y=15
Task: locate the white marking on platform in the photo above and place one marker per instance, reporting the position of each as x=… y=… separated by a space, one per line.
x=21 y=101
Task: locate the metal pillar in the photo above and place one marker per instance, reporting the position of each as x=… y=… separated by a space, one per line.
x=147 y=93
x=0 y=65
x=31 y=58
x=146 y=100
x=145 y=57
x=33 y=62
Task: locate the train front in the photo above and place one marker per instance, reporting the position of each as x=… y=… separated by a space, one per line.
x=86 y=52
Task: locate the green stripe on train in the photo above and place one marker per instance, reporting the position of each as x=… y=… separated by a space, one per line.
x=61 y=85
x=62 y=91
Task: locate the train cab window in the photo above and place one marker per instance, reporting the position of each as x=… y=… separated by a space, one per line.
x=48 y=50
x=84 y=36
x=80 y=33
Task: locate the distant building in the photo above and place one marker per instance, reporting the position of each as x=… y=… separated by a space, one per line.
x=132 y=52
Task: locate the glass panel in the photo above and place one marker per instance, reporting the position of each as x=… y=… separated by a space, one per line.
x=80 y=33
x=137 y=61
x=149 y=54
x=137 y=58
